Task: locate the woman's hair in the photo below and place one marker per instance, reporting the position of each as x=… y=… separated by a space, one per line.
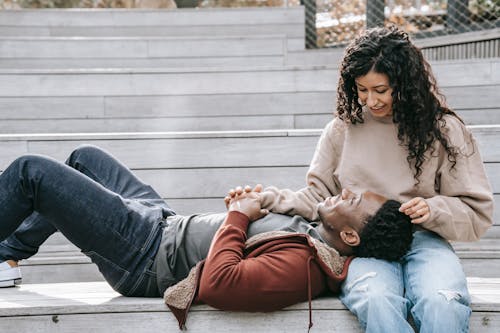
x=418 y=107
x=387 y=234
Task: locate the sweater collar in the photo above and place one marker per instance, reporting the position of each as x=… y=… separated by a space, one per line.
x=368 y=115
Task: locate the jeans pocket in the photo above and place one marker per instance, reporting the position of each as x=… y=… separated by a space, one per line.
x=113 y=273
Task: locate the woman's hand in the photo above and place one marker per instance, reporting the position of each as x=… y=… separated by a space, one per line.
x=417 y=209
x=247 y=203
x=239 y=190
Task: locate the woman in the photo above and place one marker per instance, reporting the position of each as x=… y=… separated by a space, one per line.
x=394 y=135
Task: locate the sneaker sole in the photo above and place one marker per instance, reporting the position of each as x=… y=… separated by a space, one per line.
x=10 y=283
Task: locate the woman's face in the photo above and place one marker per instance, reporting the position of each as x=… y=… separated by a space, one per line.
x=375 y=92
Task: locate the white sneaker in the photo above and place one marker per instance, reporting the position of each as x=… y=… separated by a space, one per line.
x=9 y=276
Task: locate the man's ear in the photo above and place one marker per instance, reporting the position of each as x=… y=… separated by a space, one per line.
x=350 y=237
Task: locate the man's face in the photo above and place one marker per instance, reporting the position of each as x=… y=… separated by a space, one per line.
x=349 y=209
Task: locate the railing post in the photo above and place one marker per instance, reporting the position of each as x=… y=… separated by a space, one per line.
x=311 y=34
x=374 y=13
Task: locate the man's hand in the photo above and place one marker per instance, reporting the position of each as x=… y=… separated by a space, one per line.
x=247 y=203
x=232 y=193
x=417 y=209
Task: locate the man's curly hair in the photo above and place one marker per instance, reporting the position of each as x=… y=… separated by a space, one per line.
x=387 y=234
x=418 y=106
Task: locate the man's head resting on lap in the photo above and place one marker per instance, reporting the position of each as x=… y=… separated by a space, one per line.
x=365 y=225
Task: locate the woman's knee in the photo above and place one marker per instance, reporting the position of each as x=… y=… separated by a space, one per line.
x=374 y=286
x=443 y=308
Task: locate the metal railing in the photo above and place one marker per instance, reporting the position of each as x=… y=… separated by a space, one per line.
x=338 y=21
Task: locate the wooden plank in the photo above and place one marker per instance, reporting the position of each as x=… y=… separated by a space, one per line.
x=171 y=62
x=147 y=106
x=467 y=72
x=483 y=96
x=461 y=38
x=67 y=307
x=148 y=17
x=189 y=153
x=176 y=81
x=167 y=142
x=480 y=117
x=159 y=82
x=84 y=47
x=184 y=183
x=148 y=124
x=38 y=272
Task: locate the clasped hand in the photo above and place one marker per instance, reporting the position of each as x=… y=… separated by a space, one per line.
x=246 y=201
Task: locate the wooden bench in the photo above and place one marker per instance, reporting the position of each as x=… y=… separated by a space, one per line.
x=94 y=306
x=176 y=163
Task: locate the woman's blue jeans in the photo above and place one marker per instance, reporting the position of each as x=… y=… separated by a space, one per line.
x=429 y=282
x=95 y=201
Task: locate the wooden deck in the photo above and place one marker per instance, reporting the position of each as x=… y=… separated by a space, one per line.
x=94 y=306
x=165 y=92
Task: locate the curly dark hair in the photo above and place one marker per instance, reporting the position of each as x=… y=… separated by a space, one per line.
x=418 y=106
x=387 y=234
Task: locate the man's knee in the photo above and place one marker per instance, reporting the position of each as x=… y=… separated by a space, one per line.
x=84 y=153
x=30 y=162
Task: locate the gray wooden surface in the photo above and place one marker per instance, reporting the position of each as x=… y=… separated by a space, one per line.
x=94 y=306
x=177 y=99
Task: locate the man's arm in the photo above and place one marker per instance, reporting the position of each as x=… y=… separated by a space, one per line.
x=272 y=277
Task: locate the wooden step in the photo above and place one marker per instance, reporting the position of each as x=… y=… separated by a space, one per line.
x=146 y=52
x=73 y=307
x=181 y=22
x=172 y=161
x=63 y=262
x=120 y=100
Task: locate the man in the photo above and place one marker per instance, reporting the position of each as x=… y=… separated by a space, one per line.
x=138 y=243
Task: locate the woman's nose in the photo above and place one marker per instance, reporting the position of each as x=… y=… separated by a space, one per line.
x=371 y=101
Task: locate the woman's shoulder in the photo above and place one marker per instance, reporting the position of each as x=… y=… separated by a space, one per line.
x=457 y=132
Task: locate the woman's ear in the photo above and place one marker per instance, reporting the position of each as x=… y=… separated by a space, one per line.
x=350 y=237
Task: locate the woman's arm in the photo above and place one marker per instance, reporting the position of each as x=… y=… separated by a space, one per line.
x=320 y=179
x=463 y=210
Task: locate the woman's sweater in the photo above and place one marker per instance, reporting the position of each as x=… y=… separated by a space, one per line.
x=369 y=156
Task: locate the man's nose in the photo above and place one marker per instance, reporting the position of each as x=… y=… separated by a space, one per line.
x=346 y=194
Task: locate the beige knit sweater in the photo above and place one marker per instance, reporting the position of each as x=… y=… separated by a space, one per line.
x=368 y=156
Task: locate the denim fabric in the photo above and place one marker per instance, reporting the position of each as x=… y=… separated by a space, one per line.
x=429 y=282
x=95 y=201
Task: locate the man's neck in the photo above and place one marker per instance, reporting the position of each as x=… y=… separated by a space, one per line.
x=332 y=239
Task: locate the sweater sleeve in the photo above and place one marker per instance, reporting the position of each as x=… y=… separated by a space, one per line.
x=463 y=209
x=320 y=179
x=271 y=280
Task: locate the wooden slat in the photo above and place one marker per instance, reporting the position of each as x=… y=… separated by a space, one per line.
x=170 y=62
x=71 y=307
x=128 y=82
x=166 y=106
x=154 y=18
x=64 y=47
x=194 y=149
x=209 y=123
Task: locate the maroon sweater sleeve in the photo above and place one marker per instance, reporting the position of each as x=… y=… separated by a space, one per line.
x=265 y=280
